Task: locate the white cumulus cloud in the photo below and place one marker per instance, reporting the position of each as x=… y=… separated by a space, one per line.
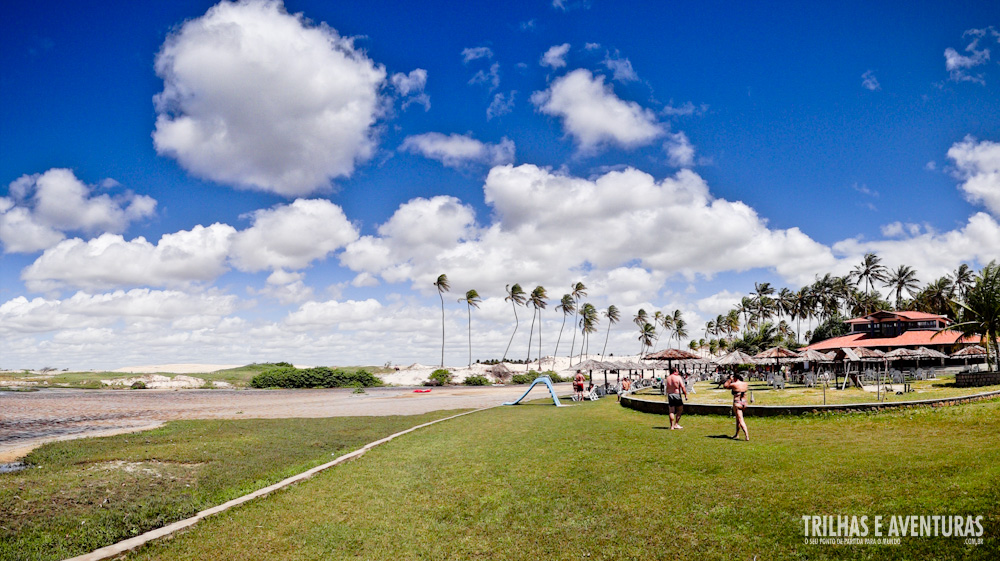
x=456 y=150
x=594 y=115
x=680 y=151
x=555 y=57
x=259 y=98
x=292 y=236
x=958 y=65
x=42 y=207
x=977 y=163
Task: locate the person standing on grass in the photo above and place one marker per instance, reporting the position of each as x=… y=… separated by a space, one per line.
x=578 y=385
x=626 y=386
x=675 y=403
x=739 y=388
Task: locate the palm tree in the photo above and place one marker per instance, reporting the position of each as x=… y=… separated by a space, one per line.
x=646 y=334
x=981 y=312
x=678 y=324
x=577 y=290
x=667 y=322
x=870 y=270
x=732 y=322
x=745 y=307
x=903 y=278
x=762 y=300
x=657 y=320
x=515 y=295
x=709 y=328
x=588 y=324
x=442 y=286
x=640 y=319
x=537 y=301
x=567 y=306
x=680 y=330
x=613 y=316
x=963 y=280
x=471 y=300
x=936 y=297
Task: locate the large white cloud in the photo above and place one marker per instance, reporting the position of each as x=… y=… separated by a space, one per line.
x=88 y=311
x=978 y=165
x=456 y=150
x=41 y=207
x=109 y=260
x=259 y=98
x=292 y=236
x=551 y=228
x=594 y=115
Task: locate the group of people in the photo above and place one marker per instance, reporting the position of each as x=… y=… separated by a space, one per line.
x=676 y=391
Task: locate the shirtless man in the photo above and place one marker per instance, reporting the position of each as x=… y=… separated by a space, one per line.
x=675 y=403
x=626 y=386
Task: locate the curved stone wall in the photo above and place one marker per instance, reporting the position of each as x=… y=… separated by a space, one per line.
x=660 y=407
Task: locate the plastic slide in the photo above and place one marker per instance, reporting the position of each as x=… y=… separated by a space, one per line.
x=548 y=383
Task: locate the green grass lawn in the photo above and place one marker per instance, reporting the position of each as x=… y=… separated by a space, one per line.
x=597 y=481
x=84 y=494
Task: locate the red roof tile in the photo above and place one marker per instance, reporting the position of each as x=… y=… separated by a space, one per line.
x=912 y=338
x=905 y=315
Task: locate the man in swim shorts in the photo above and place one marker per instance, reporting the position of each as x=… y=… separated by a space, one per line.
x=675 y=403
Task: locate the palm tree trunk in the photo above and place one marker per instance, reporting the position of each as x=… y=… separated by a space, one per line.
x=516 y=322
x=469 y=306
x=530 y=333
x=573 y=344
x=539 y=339
x=606 y=341
x=442 y=328
x=556 y=353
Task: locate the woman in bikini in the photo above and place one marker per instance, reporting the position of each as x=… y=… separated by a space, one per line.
x=739 y=388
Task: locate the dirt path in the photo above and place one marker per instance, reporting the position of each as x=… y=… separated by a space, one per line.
x=29 y=419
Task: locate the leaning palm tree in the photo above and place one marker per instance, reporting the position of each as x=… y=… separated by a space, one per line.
x=567 y=306
x=667 y=323
x=537 y=301
x=613 y=316
x=657 y=320
x=442 y=286
x=646 y=335
x=578 y=290
x=471 y=300
x=516 y=297
x=903 y=278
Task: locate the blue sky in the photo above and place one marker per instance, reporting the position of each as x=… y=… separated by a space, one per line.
x=262 y=181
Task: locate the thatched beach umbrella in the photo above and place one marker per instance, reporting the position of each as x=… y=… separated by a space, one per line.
x=735 y=357
x=974 y=351
x=670 y=355
x=590 y=365
x=812 y=355
x=778 y=354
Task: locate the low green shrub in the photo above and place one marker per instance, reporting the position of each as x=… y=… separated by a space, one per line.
x=318 y=377
x=526 y=378
x=477 y=380
x=555 y=376
x=441 y=376
x=138 y=385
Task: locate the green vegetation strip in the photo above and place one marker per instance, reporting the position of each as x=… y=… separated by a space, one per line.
x=81 y=495
x=597 y=481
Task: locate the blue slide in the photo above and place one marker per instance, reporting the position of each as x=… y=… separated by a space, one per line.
x=548 y=383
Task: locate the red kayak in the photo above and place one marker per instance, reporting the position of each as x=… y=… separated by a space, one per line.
x=421 y=391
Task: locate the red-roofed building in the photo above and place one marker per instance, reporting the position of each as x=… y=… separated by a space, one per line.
x=892 y=330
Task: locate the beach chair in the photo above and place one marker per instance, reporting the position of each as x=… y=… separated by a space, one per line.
x=593 y=395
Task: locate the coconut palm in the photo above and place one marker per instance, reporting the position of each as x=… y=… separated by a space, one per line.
x=903 y=278
x=516 y=297
x=936 y=297
x=657 y=320
x=442 y=286
x=537 y=301
x=868 y=272
x=471 y=300
x=732 y=322
x=577 y=290
x=667 y=323
x=640 y=319
x=646 y=334
x=963 y=279
x=680 y=329
x=762 y=300
x=588 y=324
x=613 y=316
x=567 y=306
x=981 y=312
x=745 y=307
